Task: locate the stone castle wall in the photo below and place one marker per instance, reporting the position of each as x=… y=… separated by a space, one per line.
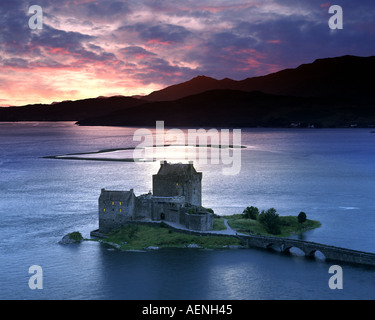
x=176 y=190
x=199 y=222
x=113 y=214
x=170 y=182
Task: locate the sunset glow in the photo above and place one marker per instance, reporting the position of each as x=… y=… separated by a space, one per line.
x=90 y=48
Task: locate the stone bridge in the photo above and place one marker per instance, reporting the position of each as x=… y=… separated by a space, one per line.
x=283 y=244
x=309 y=248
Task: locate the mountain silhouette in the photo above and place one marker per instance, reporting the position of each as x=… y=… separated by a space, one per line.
x=347 y=76
x=231 y=108
x=68 y=110
x=332 y=92
x=194 y=86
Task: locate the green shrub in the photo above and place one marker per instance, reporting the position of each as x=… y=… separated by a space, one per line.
x=302 y=217
x=251 y=213
x=271 y=221
x=76 y=236
x=192 y=211
x=207 y=209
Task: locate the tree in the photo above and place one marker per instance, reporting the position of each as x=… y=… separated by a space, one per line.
x=301 y=217
x=251 y=213
x=271 y=221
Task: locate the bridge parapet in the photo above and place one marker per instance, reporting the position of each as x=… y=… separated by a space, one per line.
x=309 y=248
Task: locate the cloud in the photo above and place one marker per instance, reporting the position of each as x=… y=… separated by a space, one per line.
x=134 y=46
x=108 y=9
x=15 y=62
x=163 y=34
x=54 y=38
x=147 y=68
x=136 y=52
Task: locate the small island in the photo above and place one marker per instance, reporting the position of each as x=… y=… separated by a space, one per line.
x=269 y=223
x=225 y=233
x=160 y=235
x=173 y=216
x=73 y=237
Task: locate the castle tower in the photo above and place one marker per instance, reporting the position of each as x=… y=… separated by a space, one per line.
x=178 y=179
x=115 y=209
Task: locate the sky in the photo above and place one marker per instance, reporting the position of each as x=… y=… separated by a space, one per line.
x=91 y=48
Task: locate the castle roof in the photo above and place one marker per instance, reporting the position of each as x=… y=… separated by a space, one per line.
x=107 y=195
x=176 y=169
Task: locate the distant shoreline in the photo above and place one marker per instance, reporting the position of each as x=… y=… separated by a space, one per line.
x=194 y=126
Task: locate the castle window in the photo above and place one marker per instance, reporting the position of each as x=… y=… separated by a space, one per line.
x=120 y=203
x=104 y=210
x=120 y=210
x=113 y=202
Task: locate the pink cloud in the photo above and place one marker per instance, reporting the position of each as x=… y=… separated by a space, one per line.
x=59 y=51
x=159 y=42
x=325 y=5
x=216 y=9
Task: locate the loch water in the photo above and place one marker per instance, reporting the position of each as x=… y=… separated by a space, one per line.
x=327 y=173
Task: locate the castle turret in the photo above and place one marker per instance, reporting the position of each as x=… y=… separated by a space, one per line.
x=178 y=179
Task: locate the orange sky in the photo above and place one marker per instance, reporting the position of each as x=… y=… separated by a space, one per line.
x=90 y=48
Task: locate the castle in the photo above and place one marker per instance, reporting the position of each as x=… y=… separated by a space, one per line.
x=177 y=198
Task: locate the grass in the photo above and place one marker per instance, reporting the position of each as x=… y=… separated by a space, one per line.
x=218 y=224
x=77 y=236
x=289 y=225
x=138 y=237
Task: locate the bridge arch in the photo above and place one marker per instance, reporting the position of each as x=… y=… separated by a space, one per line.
x=316 y=254
x=273 y=246
x=293 y=249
